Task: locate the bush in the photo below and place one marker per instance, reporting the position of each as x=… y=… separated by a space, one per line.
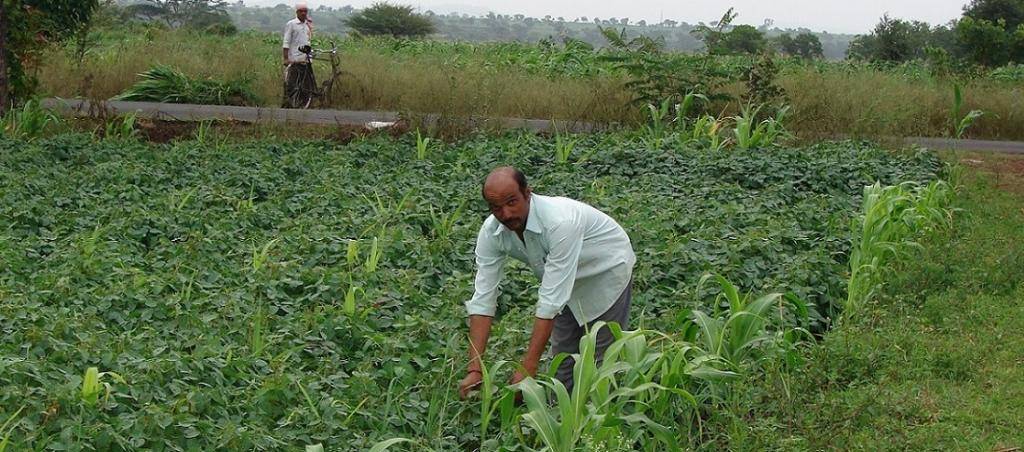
x=392 y=20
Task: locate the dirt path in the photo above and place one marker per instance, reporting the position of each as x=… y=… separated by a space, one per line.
x=189 y=112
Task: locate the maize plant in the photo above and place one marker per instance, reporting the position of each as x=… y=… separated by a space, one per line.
x=124 y=128
x=444 y=224
x=422 y=146
x=961 y=122
x=607 y=397
x=93 y=384
x=373 y=258
x=752 y=134
x=741 y=336
x=29 y=122
x=706 y=130
x=891 y=216
x=564 y=146
x=658 y=123
x=352 y=253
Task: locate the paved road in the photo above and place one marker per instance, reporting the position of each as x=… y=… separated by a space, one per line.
x=1005 y=147
x=188 y=112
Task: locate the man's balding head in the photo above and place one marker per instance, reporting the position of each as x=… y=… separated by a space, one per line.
x=508 y=195
x=503 y=174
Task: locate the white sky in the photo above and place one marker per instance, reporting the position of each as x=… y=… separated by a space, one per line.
x=837 y=16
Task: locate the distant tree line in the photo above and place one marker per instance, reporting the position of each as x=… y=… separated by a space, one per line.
x=990 y=33
x=676 y=35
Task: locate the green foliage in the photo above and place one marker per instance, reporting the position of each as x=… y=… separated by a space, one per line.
x=738 y=40
x=742 y=40
x=93 y=384
x=960 y=121
x=752 y=133
x=1011 y=12
x=930 y=365
x=990 y=43
x=762 y=81
x=713 y=36
x=747 y=332
x=892 y=217
x=29 y=122
x=31 y=26
x=895 y=40
x=208 y=15
x=804 y=45
x=385 y=19
x=165 y=84
x=122 y=128
x=139 y=258
x=422 y=145
x=1009 y=73
x=5 y=440
x=564 y=147
x=655 y=77
x=496 y=27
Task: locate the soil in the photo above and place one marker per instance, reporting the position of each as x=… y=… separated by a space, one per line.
x=1006 y=171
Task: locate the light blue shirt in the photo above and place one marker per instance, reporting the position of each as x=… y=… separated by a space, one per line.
x=582 y=257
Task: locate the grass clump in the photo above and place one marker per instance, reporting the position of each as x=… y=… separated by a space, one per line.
x=168 y=85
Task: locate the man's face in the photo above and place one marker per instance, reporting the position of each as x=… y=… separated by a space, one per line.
x=301 y=14
x=509 y=204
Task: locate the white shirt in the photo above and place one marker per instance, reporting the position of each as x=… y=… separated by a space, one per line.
x=297 y=34
x=583 y=258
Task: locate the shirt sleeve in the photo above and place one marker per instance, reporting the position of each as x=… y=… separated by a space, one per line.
x=287 y=36
x=490 y=268
x=565 y=242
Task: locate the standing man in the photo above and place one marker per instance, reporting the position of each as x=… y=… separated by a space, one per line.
x=299 y=84
x=581 y=256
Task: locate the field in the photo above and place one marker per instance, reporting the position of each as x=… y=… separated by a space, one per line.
x=273 y=294
x=226 y=286
x=828 y=99
x=932 y=366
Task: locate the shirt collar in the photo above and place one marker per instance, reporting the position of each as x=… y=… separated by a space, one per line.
x=533 y=221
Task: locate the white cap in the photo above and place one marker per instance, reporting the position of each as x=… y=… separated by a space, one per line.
x=301 y=5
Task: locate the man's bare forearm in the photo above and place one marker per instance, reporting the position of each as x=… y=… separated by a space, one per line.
x=538 y=343
x=284 y=55
x=479 y=332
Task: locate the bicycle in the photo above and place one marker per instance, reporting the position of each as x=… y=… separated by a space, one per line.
x=303 y=99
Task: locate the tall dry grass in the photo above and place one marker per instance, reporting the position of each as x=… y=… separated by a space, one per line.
x=371 y=81
x=827 y=103
x=873 y=104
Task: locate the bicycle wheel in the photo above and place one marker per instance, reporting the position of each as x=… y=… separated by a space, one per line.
x=297 y=87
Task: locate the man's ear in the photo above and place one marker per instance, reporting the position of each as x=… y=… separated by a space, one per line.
x=528 y=192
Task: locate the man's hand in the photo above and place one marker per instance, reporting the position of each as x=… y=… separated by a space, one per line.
x=529 y=370
x=471 y=382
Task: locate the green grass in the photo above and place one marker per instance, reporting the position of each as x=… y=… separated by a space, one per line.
x=935 y=365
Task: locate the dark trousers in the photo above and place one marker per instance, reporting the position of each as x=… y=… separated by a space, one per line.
x=565 y=337
x=299 y=86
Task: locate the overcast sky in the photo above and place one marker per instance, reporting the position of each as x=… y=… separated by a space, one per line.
x=837 y=16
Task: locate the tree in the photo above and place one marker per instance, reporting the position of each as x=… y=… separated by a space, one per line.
x=985 y=42
x=990 y=32
x=804 y=45
x=713 y=35
x=743 y=39
x=893 y=40
x=182 y=13
x=392 y=20
x=26 y=28
x=1009 y=11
